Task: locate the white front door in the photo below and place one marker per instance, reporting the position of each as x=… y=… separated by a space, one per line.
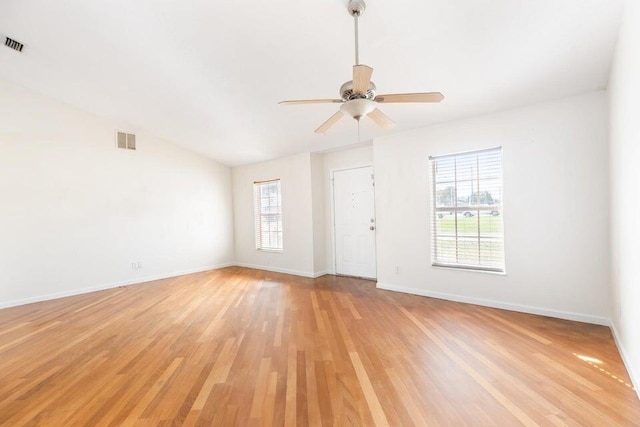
x=354 y=219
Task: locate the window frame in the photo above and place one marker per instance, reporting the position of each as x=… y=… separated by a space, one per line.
x=478 y=208
x=259 y=215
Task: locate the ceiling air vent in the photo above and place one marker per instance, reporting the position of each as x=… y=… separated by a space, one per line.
x=13 y=44
x=126 y=141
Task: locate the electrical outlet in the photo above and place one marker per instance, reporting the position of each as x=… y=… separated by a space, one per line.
x=397 y=269
x=139 y=264
x=134 y=265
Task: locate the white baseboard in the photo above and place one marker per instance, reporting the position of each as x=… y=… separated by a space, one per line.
x=597 y=320
x=138 y=280
x=321 y=273
x=111 y=285
x=281 y=270
x=633 y=374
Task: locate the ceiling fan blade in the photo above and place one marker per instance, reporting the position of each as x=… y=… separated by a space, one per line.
x=312 y=101
x=361 y=78
x=332 y=121
x=411 y=97
x=381 y=119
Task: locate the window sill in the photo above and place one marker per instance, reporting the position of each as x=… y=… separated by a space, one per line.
x=278 y=251
x=468 y=269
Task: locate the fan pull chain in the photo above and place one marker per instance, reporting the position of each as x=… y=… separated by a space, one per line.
x=358 y=130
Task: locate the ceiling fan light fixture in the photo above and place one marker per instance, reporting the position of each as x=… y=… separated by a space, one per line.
x=358 y=96
x=358 y=108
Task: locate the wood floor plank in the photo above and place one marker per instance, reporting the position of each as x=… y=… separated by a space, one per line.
x=261 y=389
x=237 y=346
x=136 y=414
x=379 y=417
x=515 y=410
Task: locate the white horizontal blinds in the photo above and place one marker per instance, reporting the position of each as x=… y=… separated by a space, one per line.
x=467 y=216
x=268 y=215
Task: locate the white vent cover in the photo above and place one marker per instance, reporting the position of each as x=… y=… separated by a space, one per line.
x=126 y=141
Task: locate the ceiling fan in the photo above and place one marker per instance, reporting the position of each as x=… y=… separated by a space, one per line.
x=358 y=96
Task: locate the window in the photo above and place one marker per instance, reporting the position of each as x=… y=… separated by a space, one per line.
x=466 y=200
x=268 y=215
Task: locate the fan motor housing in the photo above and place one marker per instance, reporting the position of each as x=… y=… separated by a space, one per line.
x=347 y=93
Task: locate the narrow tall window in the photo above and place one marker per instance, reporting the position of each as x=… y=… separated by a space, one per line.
x=268 y=215
x=466 y=210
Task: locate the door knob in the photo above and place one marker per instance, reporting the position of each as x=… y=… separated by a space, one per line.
x=372 y=228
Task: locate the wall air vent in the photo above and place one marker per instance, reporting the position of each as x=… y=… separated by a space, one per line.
x=126 y=141
x=13 y=44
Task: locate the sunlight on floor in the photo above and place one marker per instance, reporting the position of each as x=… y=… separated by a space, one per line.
x=592 y=361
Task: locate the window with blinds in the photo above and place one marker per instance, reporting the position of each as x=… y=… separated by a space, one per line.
x=466 y=198
x=268 y=215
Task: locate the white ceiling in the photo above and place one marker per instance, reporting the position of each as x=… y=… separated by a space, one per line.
x=208 y=74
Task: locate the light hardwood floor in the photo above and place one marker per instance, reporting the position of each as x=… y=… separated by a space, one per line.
x=245 y=347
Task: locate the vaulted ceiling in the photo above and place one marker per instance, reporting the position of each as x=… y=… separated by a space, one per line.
x=208 y=74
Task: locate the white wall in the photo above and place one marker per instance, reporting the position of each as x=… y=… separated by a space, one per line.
x=318 y=214
x=297 y=220
x=332 y=161
x=555 y=212
x=75 y=212
x=624 y=92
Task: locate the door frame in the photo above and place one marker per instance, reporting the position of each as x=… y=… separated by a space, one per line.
x=333 y=217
